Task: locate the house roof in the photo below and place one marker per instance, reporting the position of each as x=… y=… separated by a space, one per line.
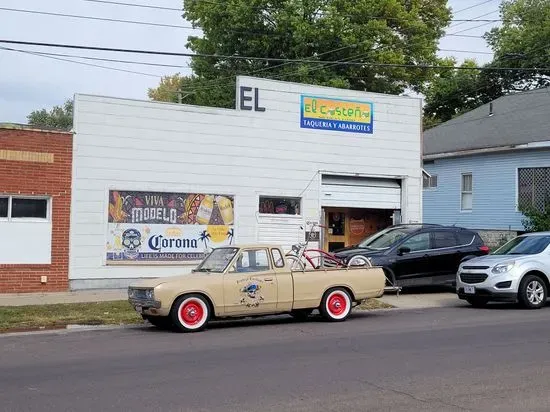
x=516 y=119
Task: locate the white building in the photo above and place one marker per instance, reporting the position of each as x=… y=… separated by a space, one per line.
x=154 y=184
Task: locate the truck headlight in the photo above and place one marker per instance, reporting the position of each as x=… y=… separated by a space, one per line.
x=150 y=294
x=503 y=267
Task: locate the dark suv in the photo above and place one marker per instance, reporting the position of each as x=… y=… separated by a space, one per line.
x=419 y=254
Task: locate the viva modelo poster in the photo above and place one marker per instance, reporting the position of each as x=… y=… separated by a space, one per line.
x=166 y=226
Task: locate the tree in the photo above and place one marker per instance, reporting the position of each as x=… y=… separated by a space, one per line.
x=59 y=117
x=523 y=41
x=536 y=220
x=399 y=32
x=458 y=90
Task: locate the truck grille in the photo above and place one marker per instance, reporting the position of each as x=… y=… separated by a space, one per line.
x=473 y=278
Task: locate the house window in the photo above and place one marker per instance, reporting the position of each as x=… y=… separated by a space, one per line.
x=279 y=205
x=430 y=182
x=534 y=187
x=466 y=192
x=21 y=208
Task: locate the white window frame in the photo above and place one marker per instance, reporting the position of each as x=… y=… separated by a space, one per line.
x=279 y=214
x=466 y=192
x=10 y=198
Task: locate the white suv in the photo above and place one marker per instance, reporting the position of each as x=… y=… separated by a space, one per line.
x=518 y=271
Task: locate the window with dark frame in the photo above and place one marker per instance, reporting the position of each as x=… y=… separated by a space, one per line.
x=534 y=187
x=279 y=205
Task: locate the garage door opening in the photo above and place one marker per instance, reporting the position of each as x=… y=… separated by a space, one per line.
x=349 y=226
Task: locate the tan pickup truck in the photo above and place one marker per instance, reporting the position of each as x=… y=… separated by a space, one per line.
x=252 y=280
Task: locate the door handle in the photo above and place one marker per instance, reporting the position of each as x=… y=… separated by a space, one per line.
x=268 y=279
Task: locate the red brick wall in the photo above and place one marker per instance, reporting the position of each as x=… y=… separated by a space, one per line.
x=35 y=178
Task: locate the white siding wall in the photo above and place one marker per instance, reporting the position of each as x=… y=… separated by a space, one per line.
x=140 y=145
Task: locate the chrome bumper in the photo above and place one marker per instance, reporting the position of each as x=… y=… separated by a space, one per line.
x=144 y=303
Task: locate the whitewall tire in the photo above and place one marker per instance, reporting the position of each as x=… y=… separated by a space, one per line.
x=336 y=305
x=190 y=313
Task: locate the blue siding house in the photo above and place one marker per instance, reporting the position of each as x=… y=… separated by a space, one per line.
x=481 y=164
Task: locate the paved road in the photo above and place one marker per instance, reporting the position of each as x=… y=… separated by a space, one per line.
x=447 y=359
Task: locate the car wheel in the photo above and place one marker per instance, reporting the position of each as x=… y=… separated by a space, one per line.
x=190 y=313
x=336 y=305
x=301 y=314
x=532 y=292
x=161 y=322
x=477 y=302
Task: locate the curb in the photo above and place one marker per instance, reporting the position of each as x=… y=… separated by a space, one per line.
x=72 y=329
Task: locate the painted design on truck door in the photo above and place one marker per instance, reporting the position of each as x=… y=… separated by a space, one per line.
x=251 y=292
x=250 y=285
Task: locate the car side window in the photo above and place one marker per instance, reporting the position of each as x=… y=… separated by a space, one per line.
x=465 y=238
x=277 y=258
x=444 y=240
x=253 y=261
x=418 y=242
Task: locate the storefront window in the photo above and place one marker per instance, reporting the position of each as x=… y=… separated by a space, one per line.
x=4 y=207
x=279 y=205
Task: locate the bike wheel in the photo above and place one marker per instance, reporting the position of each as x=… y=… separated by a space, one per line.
x=294 y=263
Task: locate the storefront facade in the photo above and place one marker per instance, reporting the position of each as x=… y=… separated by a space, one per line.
x=155 y=185
x=35 y=201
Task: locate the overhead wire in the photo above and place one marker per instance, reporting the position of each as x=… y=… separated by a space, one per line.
x=146 y=23
x=259 y=58
x=78 y=62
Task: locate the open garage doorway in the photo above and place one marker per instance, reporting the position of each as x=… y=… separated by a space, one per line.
x=349 y=226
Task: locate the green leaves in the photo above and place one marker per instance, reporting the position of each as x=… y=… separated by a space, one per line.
x=59 y=117
x=373 y=31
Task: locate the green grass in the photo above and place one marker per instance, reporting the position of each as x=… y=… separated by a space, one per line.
x=60 y=315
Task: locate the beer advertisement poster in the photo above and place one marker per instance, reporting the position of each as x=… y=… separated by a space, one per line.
x=167 y=226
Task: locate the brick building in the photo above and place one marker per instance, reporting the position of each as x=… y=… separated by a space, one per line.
x=35 y=200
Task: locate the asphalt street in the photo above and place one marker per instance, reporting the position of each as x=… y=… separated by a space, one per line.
x=444 y=359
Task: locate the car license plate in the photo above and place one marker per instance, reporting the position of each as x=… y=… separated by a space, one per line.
x=139 y=309
x=470 y=290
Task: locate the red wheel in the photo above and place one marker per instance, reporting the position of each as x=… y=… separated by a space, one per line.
x=336 y=305
x=190 y=313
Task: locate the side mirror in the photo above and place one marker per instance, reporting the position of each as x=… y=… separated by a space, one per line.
x=403 y=250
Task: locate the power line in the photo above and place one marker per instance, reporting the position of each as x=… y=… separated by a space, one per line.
x=146 y=23
x=471 y=28
x=116 y=3
x=269 y=59
x=476 y=19
x=471 y=7
x=78 y=16
x=176 y=66
x=77 y=62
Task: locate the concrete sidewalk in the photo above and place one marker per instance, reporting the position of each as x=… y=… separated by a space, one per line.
x=403 y=301
x=96 y=295
x=422 y=300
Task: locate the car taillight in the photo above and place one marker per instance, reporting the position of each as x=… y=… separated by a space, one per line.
x=484 y=249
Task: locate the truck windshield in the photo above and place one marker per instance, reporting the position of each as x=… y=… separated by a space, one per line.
x=218 y=260
x=524 y=245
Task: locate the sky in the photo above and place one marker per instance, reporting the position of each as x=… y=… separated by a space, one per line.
x=29 y=82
